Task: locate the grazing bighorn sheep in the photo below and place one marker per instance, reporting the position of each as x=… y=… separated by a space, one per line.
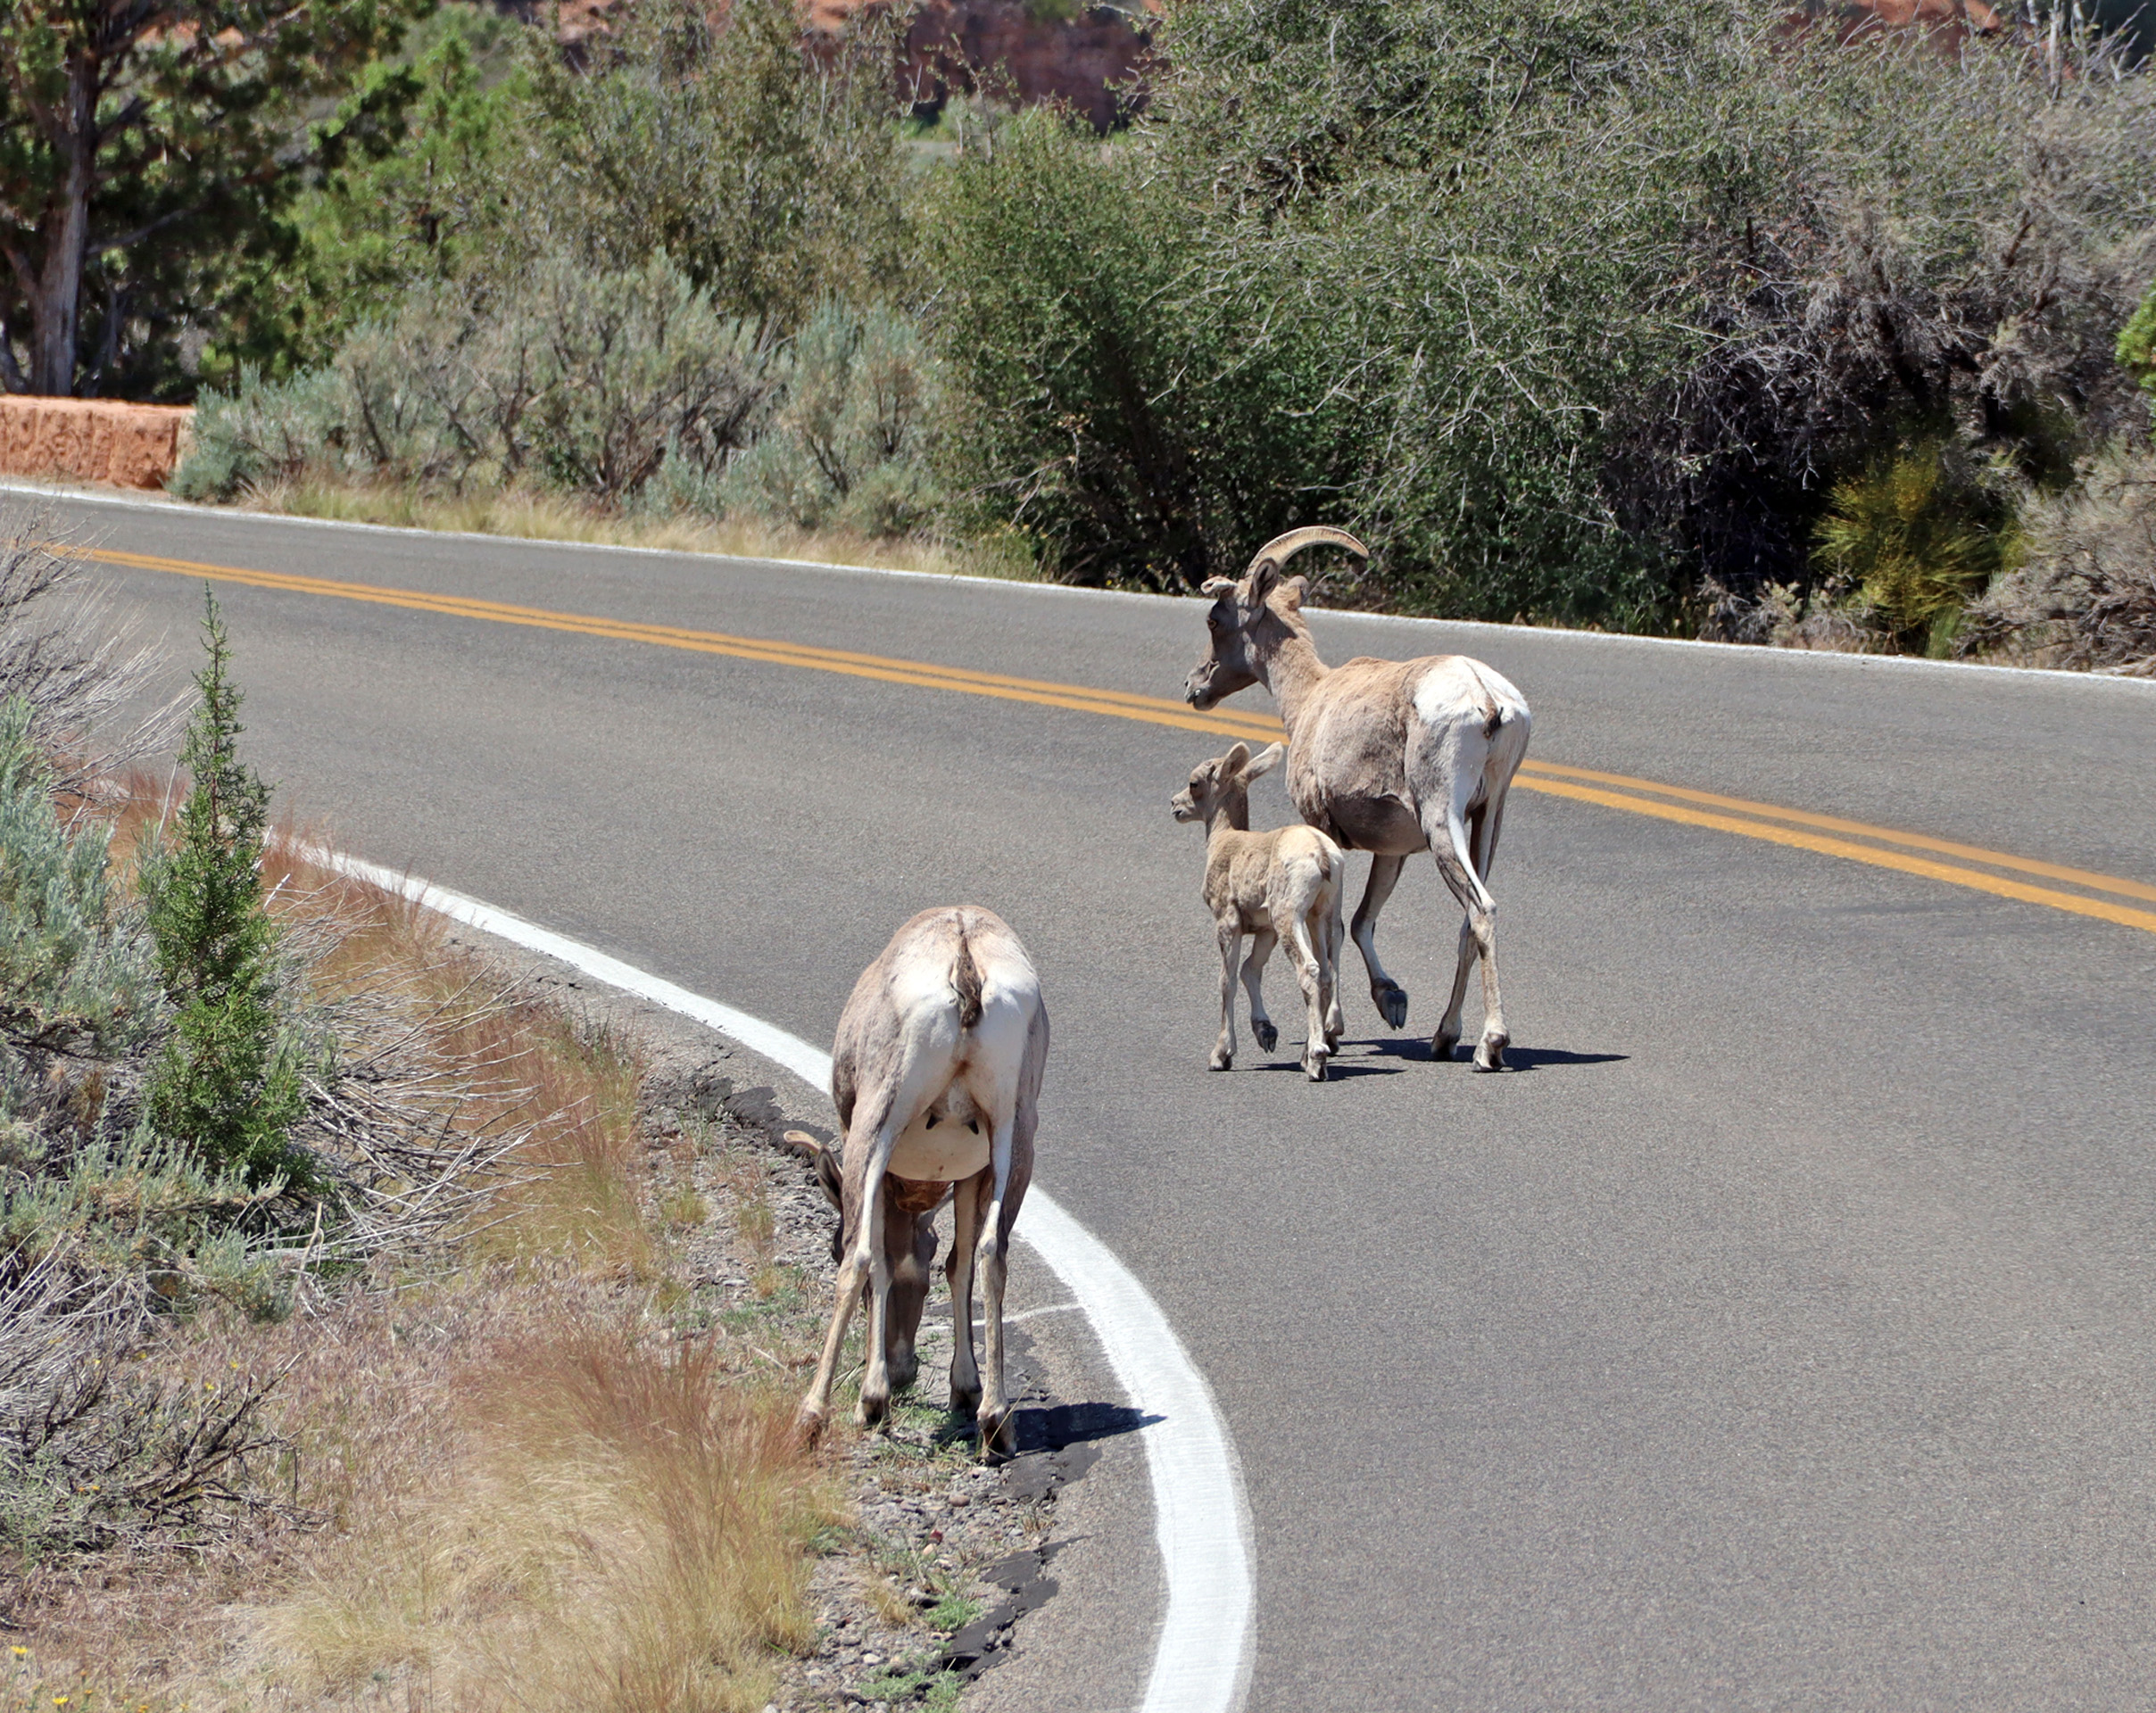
x=1280 y=885
x=936 y=1076
x=1391 y=756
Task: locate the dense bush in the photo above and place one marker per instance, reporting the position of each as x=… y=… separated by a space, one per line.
x=2084 y=593
x=1578 y=312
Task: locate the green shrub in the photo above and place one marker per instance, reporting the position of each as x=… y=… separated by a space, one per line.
x=848 y=445
x=578 y=379
x=1919 y=535
x=2137 y=343
x=228 y=1083
x=76 y=974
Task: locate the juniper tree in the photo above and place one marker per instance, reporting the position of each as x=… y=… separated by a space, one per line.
x=229 y=1081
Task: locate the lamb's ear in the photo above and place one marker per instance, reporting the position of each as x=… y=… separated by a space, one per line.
x=1291 y=592
x=1265 y=760
x=1217 y=586
x=1234 y=761
x=1265 y=578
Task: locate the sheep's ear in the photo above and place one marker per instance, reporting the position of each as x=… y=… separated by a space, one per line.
x=1265 y=760
x=1265 y=578
x=1217 y=586
x=1291 y=592
x=1235 y=761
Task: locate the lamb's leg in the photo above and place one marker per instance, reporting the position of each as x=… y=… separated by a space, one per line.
x=964 y=1239
x=1230 y=953
x=993 y=1413
x=1336 y=942
x=1388 y=995
x=1304 y=940
x=1262 y=943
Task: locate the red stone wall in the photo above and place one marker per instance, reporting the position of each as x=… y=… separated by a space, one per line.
x=91 y=440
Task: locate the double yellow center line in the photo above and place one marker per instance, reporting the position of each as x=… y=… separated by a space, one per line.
x=1909 y=853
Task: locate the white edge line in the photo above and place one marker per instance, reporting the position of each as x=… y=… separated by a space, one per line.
x=1201 y=1663
x=1793 y=658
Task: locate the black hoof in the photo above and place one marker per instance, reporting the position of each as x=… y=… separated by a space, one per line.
x=1268 y=1037
x=1441 y=1047
x=1392 y=1006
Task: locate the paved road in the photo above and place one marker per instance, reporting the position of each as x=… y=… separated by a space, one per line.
x=1782 y=1335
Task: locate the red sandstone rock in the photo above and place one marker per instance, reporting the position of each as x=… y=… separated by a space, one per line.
x=1093 y=63
x=91 y=440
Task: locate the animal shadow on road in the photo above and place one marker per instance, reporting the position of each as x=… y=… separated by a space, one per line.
x=1052 y=1426
x=1516 y=1058
x=1336 y=1070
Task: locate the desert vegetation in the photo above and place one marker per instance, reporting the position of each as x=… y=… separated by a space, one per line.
x=376 y=1329
x=1722 y=319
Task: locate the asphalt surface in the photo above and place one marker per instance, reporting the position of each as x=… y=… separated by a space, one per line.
x=1781 y=1334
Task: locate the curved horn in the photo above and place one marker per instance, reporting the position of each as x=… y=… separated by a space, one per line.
x=1280 y=548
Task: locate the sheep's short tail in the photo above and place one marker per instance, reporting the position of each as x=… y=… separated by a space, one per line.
x=966 y=983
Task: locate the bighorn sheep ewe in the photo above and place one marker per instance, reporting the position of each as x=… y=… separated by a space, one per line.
x=1280 y=885
x=1391 y=756
x=936 y=1076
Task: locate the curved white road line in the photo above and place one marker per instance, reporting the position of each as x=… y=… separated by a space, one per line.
x=1202 y=1662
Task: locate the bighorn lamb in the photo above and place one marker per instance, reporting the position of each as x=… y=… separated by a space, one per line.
x=1282 y=884
x=936 y=1076
x=1390 y=756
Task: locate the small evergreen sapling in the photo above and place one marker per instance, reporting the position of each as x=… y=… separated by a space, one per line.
x=228 y=1082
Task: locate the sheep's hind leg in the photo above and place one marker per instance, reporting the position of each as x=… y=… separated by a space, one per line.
x=1449 y=1028
x=1310 y=976
x=1254 y=975
x=1388 y=995
x=994 y=1411
x=965 y=1239
x=1448 y=843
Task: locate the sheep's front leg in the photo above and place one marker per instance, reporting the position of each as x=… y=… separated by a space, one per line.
x=1262 y=1030
x=911 y=1239
x=966 y=1238
x=1230 y=953
x=875 y=1382
x=865 y=1263
x=1388 y=995
x=993 y=1412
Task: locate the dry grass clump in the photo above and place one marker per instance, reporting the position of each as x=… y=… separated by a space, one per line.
x=610 y=1526
x=2084 y=596
x=532 y=515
